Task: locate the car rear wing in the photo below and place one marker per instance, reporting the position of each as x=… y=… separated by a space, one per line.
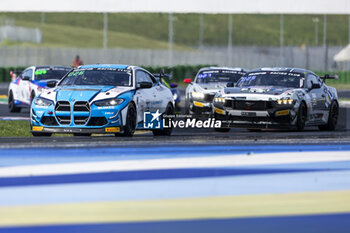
x=327 y=76
x=159 y=76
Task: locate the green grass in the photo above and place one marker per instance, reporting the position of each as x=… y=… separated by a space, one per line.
x=63 y=35
x=340 y=86
x=14 y=129
x=150 y=30
x=19 y=129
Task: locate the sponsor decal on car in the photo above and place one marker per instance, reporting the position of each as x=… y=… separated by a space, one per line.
x=198 y=104
x=112 y=129
x=282 y=113
x=37 y=128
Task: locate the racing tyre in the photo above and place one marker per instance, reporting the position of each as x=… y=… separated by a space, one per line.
x=35 y=134
x=11 y=104
x=130 y=124
x=167 y=131
x=301 y=117
x=332 y=119
x=32 y=96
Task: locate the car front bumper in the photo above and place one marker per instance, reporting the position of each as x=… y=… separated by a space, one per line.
x=272 y=118
x=103 y=130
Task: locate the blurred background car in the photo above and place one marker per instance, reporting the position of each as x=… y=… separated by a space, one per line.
x=200 y=93
x=31 y=82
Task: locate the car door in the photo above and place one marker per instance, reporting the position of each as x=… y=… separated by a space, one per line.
x=318 y=97
x=143 y=96
x=24 y=86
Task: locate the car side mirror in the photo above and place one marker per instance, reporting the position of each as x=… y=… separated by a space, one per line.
x=51 y=83
x=145 y=85
x=187 y=80
x=315 y=86
x=25 y=78
x=230 y=84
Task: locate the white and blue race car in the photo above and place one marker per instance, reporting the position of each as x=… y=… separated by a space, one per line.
x=107 y=99
x=31 y=82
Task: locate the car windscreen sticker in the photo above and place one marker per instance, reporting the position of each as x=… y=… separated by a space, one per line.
x=204 y=75
x=40 y=72
x=76 y=73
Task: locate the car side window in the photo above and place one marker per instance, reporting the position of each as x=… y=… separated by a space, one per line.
x=312 y=79
x=28 y=73
x=142 y=76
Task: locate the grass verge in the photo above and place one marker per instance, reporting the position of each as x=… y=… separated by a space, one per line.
x=15 y=129
x=19 y=129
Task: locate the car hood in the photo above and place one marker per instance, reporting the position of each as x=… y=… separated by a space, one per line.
x=84 y=93
x=259 y=92
x=209 y=87
x=267 y=90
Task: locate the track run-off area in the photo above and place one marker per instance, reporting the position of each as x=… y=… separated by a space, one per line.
x=246 y=187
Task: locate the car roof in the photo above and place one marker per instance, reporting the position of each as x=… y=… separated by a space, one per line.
x=222 y=68
x=282 y=69
x=53 y=67
x=110 y=66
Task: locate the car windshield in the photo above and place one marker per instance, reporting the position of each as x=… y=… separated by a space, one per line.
x=211 y=76
x=280 y=79
x=101 y=77
x=50 y=73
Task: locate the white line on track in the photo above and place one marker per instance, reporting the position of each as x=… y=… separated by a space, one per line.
x=176 y=163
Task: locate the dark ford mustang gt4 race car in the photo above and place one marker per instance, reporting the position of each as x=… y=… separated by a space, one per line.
x=279 y=97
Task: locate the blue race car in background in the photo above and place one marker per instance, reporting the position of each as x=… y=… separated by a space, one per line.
x=31 y=82
x=173 y=87
x=176 y=96
x=101 y=99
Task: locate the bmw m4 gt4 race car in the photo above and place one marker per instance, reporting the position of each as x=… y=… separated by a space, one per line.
x=200 y=93
x=101 y=99
x=31 y=82
x=279 y=97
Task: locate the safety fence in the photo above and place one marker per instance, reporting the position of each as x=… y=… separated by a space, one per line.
x=314 y=58
x=180 y=72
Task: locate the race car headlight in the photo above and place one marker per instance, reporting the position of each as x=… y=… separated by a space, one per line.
x=110 y=102
x=219 y=100
x=175 y=96
x=198 y=95
x=285 y=101
x=42 y=102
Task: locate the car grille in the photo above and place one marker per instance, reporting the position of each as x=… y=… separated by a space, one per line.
x=250 y=119
x=63 y=106
x=80 y=112
x=81 y=106
x=97 y=121
x=80 y=120
x=63 y=120
x=49 y=120
x=248 y=105
x=208 y=97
